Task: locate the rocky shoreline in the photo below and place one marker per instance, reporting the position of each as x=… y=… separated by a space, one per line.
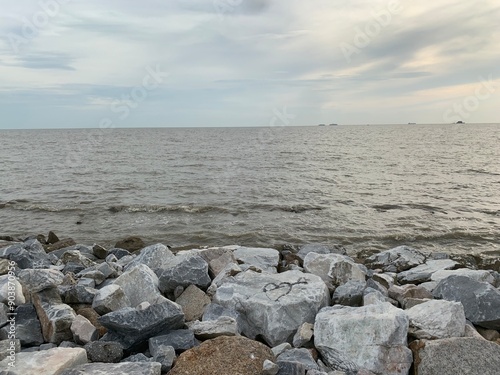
x=70 y=309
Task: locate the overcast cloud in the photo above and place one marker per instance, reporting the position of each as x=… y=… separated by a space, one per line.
x=70 y=63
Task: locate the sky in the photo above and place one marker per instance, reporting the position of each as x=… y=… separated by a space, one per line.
x=184 y=63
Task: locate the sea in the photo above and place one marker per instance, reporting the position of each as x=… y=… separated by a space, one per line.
x=368 y=187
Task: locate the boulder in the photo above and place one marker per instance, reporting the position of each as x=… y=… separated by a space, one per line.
x=131 y=244
x=28 y=328
x=319 y=248
x=423 y=273
x=457 y=355
x=77 y=294
x=210 y=329
x=398 y=259
x=6 y=284
x=104 y=351
x=409 y=291
x=273 y=305
x=263 y=258
x=39 y=279
x=155 y=257
x=83 y=330
x=385 y=279
x=184 y=270
x=99 y=252
x=140 y=284
x=350 y=293
x=164 y=355
x=481 y=300
x=372 y=337
x=47 y=362
x=29 y=254
x=125 y=368
x=224 y=356
x=110 y=298
x=437 y=319
x=193 y=302
x=478 y=275
x=334 y=269
x=269 y=368
x=180 y=340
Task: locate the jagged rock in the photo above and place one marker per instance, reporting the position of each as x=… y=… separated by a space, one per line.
x=110 y=298
x=224 y=356
x=83 y=330
x=424 y=272
x=52 y=238
x=164 y=355
x=180 y=340
x=74 y=268
x=412 y=302
x=55 y=317
x=29 y=254
x=155 y=257
x=478 y=275
x=9 y=348
x=320 y=249
x=457 y=355
x=398 y=259
x=39 y=279
x=269 y=368
x=302 y=356
x=108 y=270
x=481 y=300
x=140 y=284
x=130 y=326
x=385 y=279
x=93 y=318
x=350 y=293
x=218 y=263
x=405 y=292
x=210 y=329
x=7 y=282
x=78 y=294
x=47 y=362
x=47 y=346
x=232 y=269
x=334 y=269
x=193 y=302
x=91 y=273
x=273 y=305
x=104 y=351
x=184 y=270
x=75 y=256
x=278 y=349
x=437 y=320
x=131 y=244
x=265 y=259
x=125 y=368
x=28 y=328
x=303 y=335
x=373 y=337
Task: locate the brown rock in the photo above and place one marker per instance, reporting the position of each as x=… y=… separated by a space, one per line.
x=93 y=316
x=67 y=242
x=52 y=238
x=193 y=302
x=130 y=244
x=225 y=355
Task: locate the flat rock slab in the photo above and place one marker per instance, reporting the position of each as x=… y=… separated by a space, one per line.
x=224 y=356
x=453 y=356
x=273 y=305
x=46 y=362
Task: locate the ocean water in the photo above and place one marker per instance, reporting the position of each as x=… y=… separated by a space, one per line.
x=434 y=187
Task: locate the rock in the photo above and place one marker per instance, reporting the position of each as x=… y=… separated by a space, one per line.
x=83 y=330
x=61 y=244
x=140 y=284
x=137 y=358
x=224 y=356
x=232 y=269
x=210 y=329
x=273 y=305
x=302 y=356
x=437 y=320
x=333 y=269
x=125 y=368
x=39 y=279
x=75 y=256
x=481 y=300
x=372 y=297
x=93 y=317
x=47 y=346
x=155 y=257
x=303 y=335
x=216 y=265
x=424 y=272
x=320 y=249
x=4 y=310
x=110 y=298
x=130 y=243
x=184 y=270
x=180 y=340
x=55 y=317
x=193 y=302
x=9 y=348
x=130 y=326
x=4 y=266
x=350 y=293
x=104 y=351
x=385 y=279
x=29 y=254
x=28 y=328
x=398 y=259
x=99 y=252
x=456 y=355
x=164 y=355
x=69 y=344
x=6 y=285
x=488 y=334
x=263 y=258
x=121 y=254
x=78 y=294
x=90 y=282
x=52 y=238
x=371 y=337
x=269 y=368
x=47 y=362
x=405 y=292
x=412 y=302
x=291 y=368
x=478 y=275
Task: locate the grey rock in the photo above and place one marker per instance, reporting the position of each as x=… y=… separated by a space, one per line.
x=83 y=330
x=423 y=273
x=372 y=297
x=303 y=335
x=124 y=368
x=334 y=269
x=269 y=368
x=5 y=283
x=478 y=275
x=215 y=311
x=437 y=320
x=4 y=310
x=72 y=267
x=273 y=305
x=29 y=254
x=39 y=279
x=232 y=269
x=193 y=302
x=302 y=356
x=412 y=302
x=9 y=348
x=118 y=253
x=403 y=293
x=216 y=265
x=370 y=283
x=78 y=294
x=99 y=252
x=104 y=351
x=166 y=356
x=47 y=346
x=452 y=356
x=28 y=328
x=224 y=326
x=373 y=337
x=139 y=357
x=481 y=300
x=69 y=344
x=320 y=249
x=265 y=259
x=108 y=270
x=291 y=368
x=180 y=340
x=398 y=259
x=110 y=298
x=76 y=256
x=349 y=294
x=88 y=282
x=131 y=326
x=184 y=270
x=155 y=257
x=277 y=350
x=91 y=273
x=385 y=279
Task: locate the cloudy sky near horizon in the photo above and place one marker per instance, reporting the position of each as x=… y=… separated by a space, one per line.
x=76 y=63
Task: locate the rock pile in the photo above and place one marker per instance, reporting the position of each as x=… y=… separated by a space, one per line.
x=81 y=309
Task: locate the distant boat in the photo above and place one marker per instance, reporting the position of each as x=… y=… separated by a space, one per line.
x=460 y=122
x=412 y=123
x=321 y=125
x=333 y=124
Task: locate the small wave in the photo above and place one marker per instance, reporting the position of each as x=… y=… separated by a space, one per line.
x=416 y=206
x=387 y=207
x=297 y=208
x=480 y=171
x=191 y=209
x=43 y=208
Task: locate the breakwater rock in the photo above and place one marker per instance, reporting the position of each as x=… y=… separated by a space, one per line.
x=310 y=310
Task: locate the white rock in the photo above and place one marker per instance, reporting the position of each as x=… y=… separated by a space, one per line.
x=83 y=330
x=264 y=258
x=478 y=275
x=110 y=298
x=11 y=286
x=210 y=329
